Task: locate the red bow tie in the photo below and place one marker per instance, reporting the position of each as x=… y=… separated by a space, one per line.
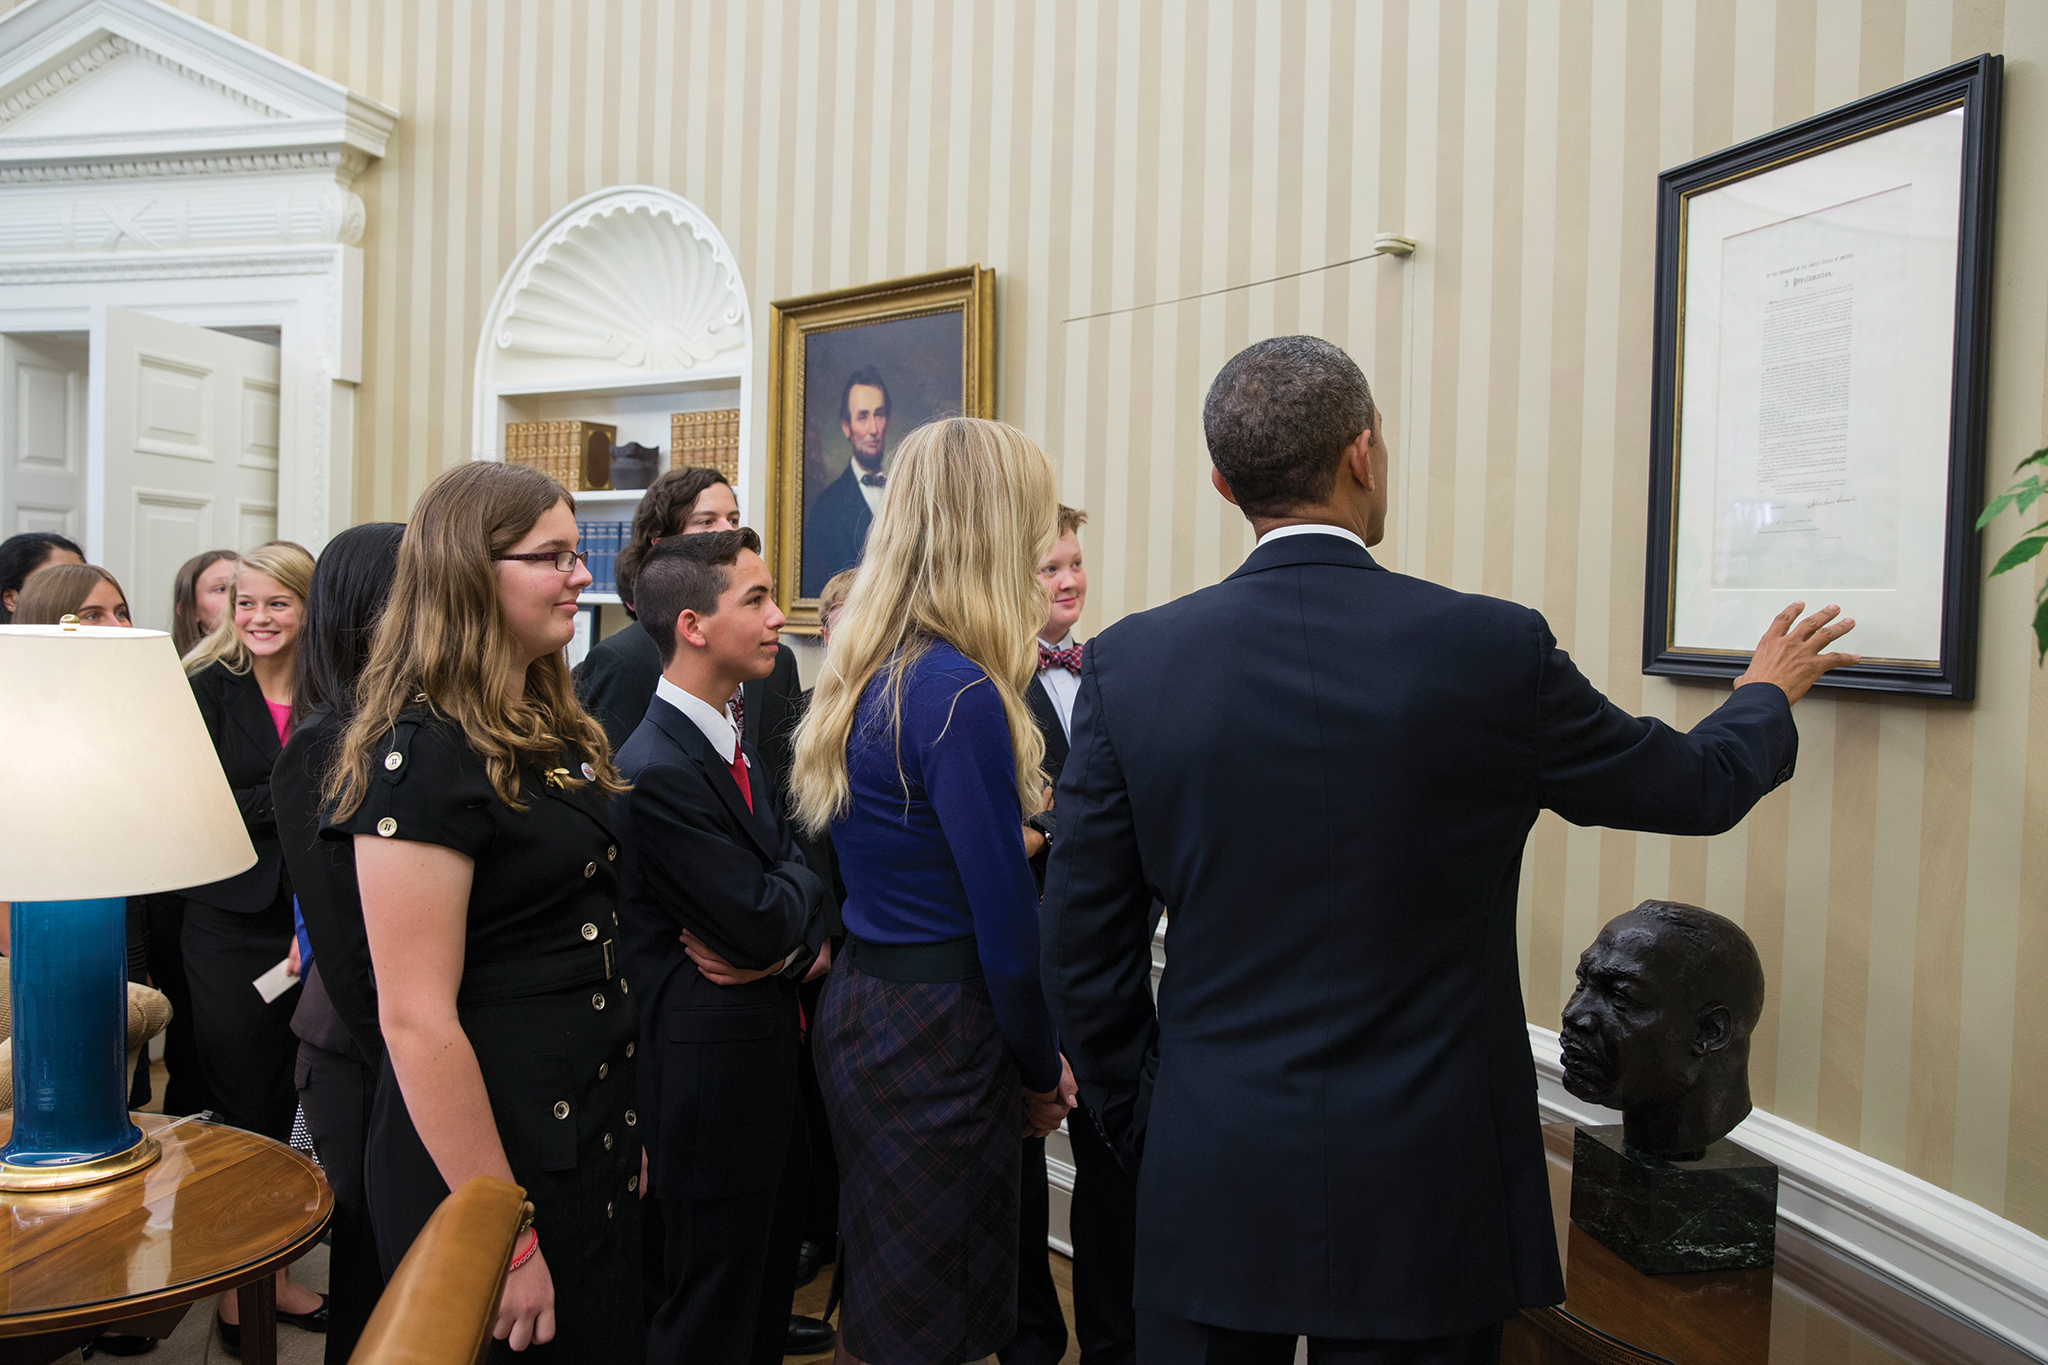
x=1068 y=658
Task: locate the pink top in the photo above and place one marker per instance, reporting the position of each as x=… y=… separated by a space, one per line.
x=280 y=714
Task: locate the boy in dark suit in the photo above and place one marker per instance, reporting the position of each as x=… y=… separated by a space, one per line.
x=719 y=921
x=1102 y=1222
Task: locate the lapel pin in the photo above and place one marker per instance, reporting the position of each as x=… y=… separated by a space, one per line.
x=589 y=773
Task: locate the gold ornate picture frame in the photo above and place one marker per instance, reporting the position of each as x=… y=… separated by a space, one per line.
x=850 y=373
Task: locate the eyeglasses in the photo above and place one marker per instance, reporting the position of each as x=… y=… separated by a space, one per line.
x=565 y=561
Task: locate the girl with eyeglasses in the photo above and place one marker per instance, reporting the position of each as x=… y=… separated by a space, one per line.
x=473 y=788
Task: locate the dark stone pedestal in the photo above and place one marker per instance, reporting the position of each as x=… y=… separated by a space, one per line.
x=1666 y=1217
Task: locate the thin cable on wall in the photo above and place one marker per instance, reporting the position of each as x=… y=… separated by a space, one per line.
x=1386 y=244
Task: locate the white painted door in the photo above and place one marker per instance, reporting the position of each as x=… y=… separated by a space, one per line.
x=189 y=423
x=42 y=435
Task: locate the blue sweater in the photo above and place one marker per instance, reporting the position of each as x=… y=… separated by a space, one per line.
x=947 y=861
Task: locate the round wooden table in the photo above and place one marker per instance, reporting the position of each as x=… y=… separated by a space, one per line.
x=222 y=1210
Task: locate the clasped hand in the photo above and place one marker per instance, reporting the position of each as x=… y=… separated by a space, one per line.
x=1043 y=1112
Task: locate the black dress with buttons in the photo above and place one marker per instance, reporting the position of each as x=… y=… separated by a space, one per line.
x=550 y=1019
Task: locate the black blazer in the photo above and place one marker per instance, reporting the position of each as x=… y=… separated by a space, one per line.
x=243 y=736
x=1048 y=718
x=1339 y=1128
x=323 y=874
x=835 y=530
x=718 y=1073
x=615 y=682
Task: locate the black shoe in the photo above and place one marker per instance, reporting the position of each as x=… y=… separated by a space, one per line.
x=230 y=1335
x=808 y=1336
x=315 y=1321
x=810 y=1259
x=118 y=1344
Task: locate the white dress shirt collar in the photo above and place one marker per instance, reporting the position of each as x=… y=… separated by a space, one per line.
x=714 y=722
x=1061 y=687
x=1315 y=528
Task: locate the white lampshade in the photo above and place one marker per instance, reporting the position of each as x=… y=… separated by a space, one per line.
x=113 y=786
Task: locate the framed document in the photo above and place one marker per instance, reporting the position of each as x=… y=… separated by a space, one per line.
x=1823 y=300
x=850 y=374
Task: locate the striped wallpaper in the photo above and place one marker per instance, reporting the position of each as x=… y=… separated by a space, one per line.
x=1110 y=158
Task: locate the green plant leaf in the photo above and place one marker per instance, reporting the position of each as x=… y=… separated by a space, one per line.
x=2040 y=456
x=2041 y=633
x=2019 y=554
x=2029 y=488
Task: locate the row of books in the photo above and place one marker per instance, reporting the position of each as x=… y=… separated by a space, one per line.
x=603 y=540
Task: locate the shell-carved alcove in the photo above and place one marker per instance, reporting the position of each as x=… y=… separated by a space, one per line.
x=627 y=284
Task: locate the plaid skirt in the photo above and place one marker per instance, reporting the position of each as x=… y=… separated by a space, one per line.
x=926 y=1114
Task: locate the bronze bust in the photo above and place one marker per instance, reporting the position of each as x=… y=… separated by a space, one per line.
x=1659 y=1026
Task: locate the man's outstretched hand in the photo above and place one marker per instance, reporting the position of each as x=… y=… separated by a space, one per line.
x=1790 y=655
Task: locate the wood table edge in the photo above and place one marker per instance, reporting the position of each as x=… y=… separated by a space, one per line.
x=190 y=1292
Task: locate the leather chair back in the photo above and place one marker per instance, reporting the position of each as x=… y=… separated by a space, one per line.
x=439 y=1307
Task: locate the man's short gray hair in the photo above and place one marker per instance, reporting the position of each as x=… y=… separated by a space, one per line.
x=1278 y=417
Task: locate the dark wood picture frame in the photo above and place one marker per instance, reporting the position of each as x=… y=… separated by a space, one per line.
x=967 y=292
x=1974 y=87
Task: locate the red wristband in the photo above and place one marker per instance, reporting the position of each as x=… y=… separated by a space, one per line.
x=532 y=1245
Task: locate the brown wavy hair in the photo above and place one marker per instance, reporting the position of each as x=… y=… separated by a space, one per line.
x=660 y=513
x=443 y=638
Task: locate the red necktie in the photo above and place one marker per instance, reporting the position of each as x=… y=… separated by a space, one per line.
x=739 y=775
x=1068 y=658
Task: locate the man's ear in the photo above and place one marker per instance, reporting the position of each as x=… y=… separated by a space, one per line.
x=1715 y=1032
x=1357 y=460
x=1222 y=485
x=689 y=629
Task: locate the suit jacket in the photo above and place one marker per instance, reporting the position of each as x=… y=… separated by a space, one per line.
x=835 y=530
x=615 y=682
x=244 y=737
x=1048 y=718
x=323 y=874
x=718 y=1073
x=1341 y=1136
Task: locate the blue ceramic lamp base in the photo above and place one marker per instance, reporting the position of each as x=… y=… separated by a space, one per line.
x=69 y=977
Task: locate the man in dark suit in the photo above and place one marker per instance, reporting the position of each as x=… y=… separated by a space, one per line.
x=1102 y=1218
x=836 y=527
x=719 y=920
x=1329 y=772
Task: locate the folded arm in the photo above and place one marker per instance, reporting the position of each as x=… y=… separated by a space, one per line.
x=753 y=916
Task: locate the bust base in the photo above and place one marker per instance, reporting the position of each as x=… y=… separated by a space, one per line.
x=1671 y=1217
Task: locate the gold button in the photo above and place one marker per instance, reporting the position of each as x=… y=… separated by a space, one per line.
x=590 y=869
x=604 y=1069
x=419 y=696
x=561 y=1109
x=597 y=1000
x=392 y=760
x=631 y=1118
x=612 y=853
x=632 y=1183
x=607 y=1142
x=607 y=1210
x=590 y=931
x=387 y=827
x=624 y=989
x=629 y=1049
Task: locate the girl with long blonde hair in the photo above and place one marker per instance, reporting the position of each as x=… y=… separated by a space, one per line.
x=231 y=932
x=473 y=788
x=921 y=758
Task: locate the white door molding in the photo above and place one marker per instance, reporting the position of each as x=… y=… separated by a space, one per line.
x=151 y=161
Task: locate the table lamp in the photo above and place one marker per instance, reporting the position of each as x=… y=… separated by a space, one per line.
x=115 y=791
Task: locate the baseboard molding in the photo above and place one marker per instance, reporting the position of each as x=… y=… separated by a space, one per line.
x=1956 y=1255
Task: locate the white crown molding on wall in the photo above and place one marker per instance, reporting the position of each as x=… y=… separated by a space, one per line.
x=267 y=105
x=1958 y=1256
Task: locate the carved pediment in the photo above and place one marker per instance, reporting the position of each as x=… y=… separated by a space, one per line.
x=128 y=89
